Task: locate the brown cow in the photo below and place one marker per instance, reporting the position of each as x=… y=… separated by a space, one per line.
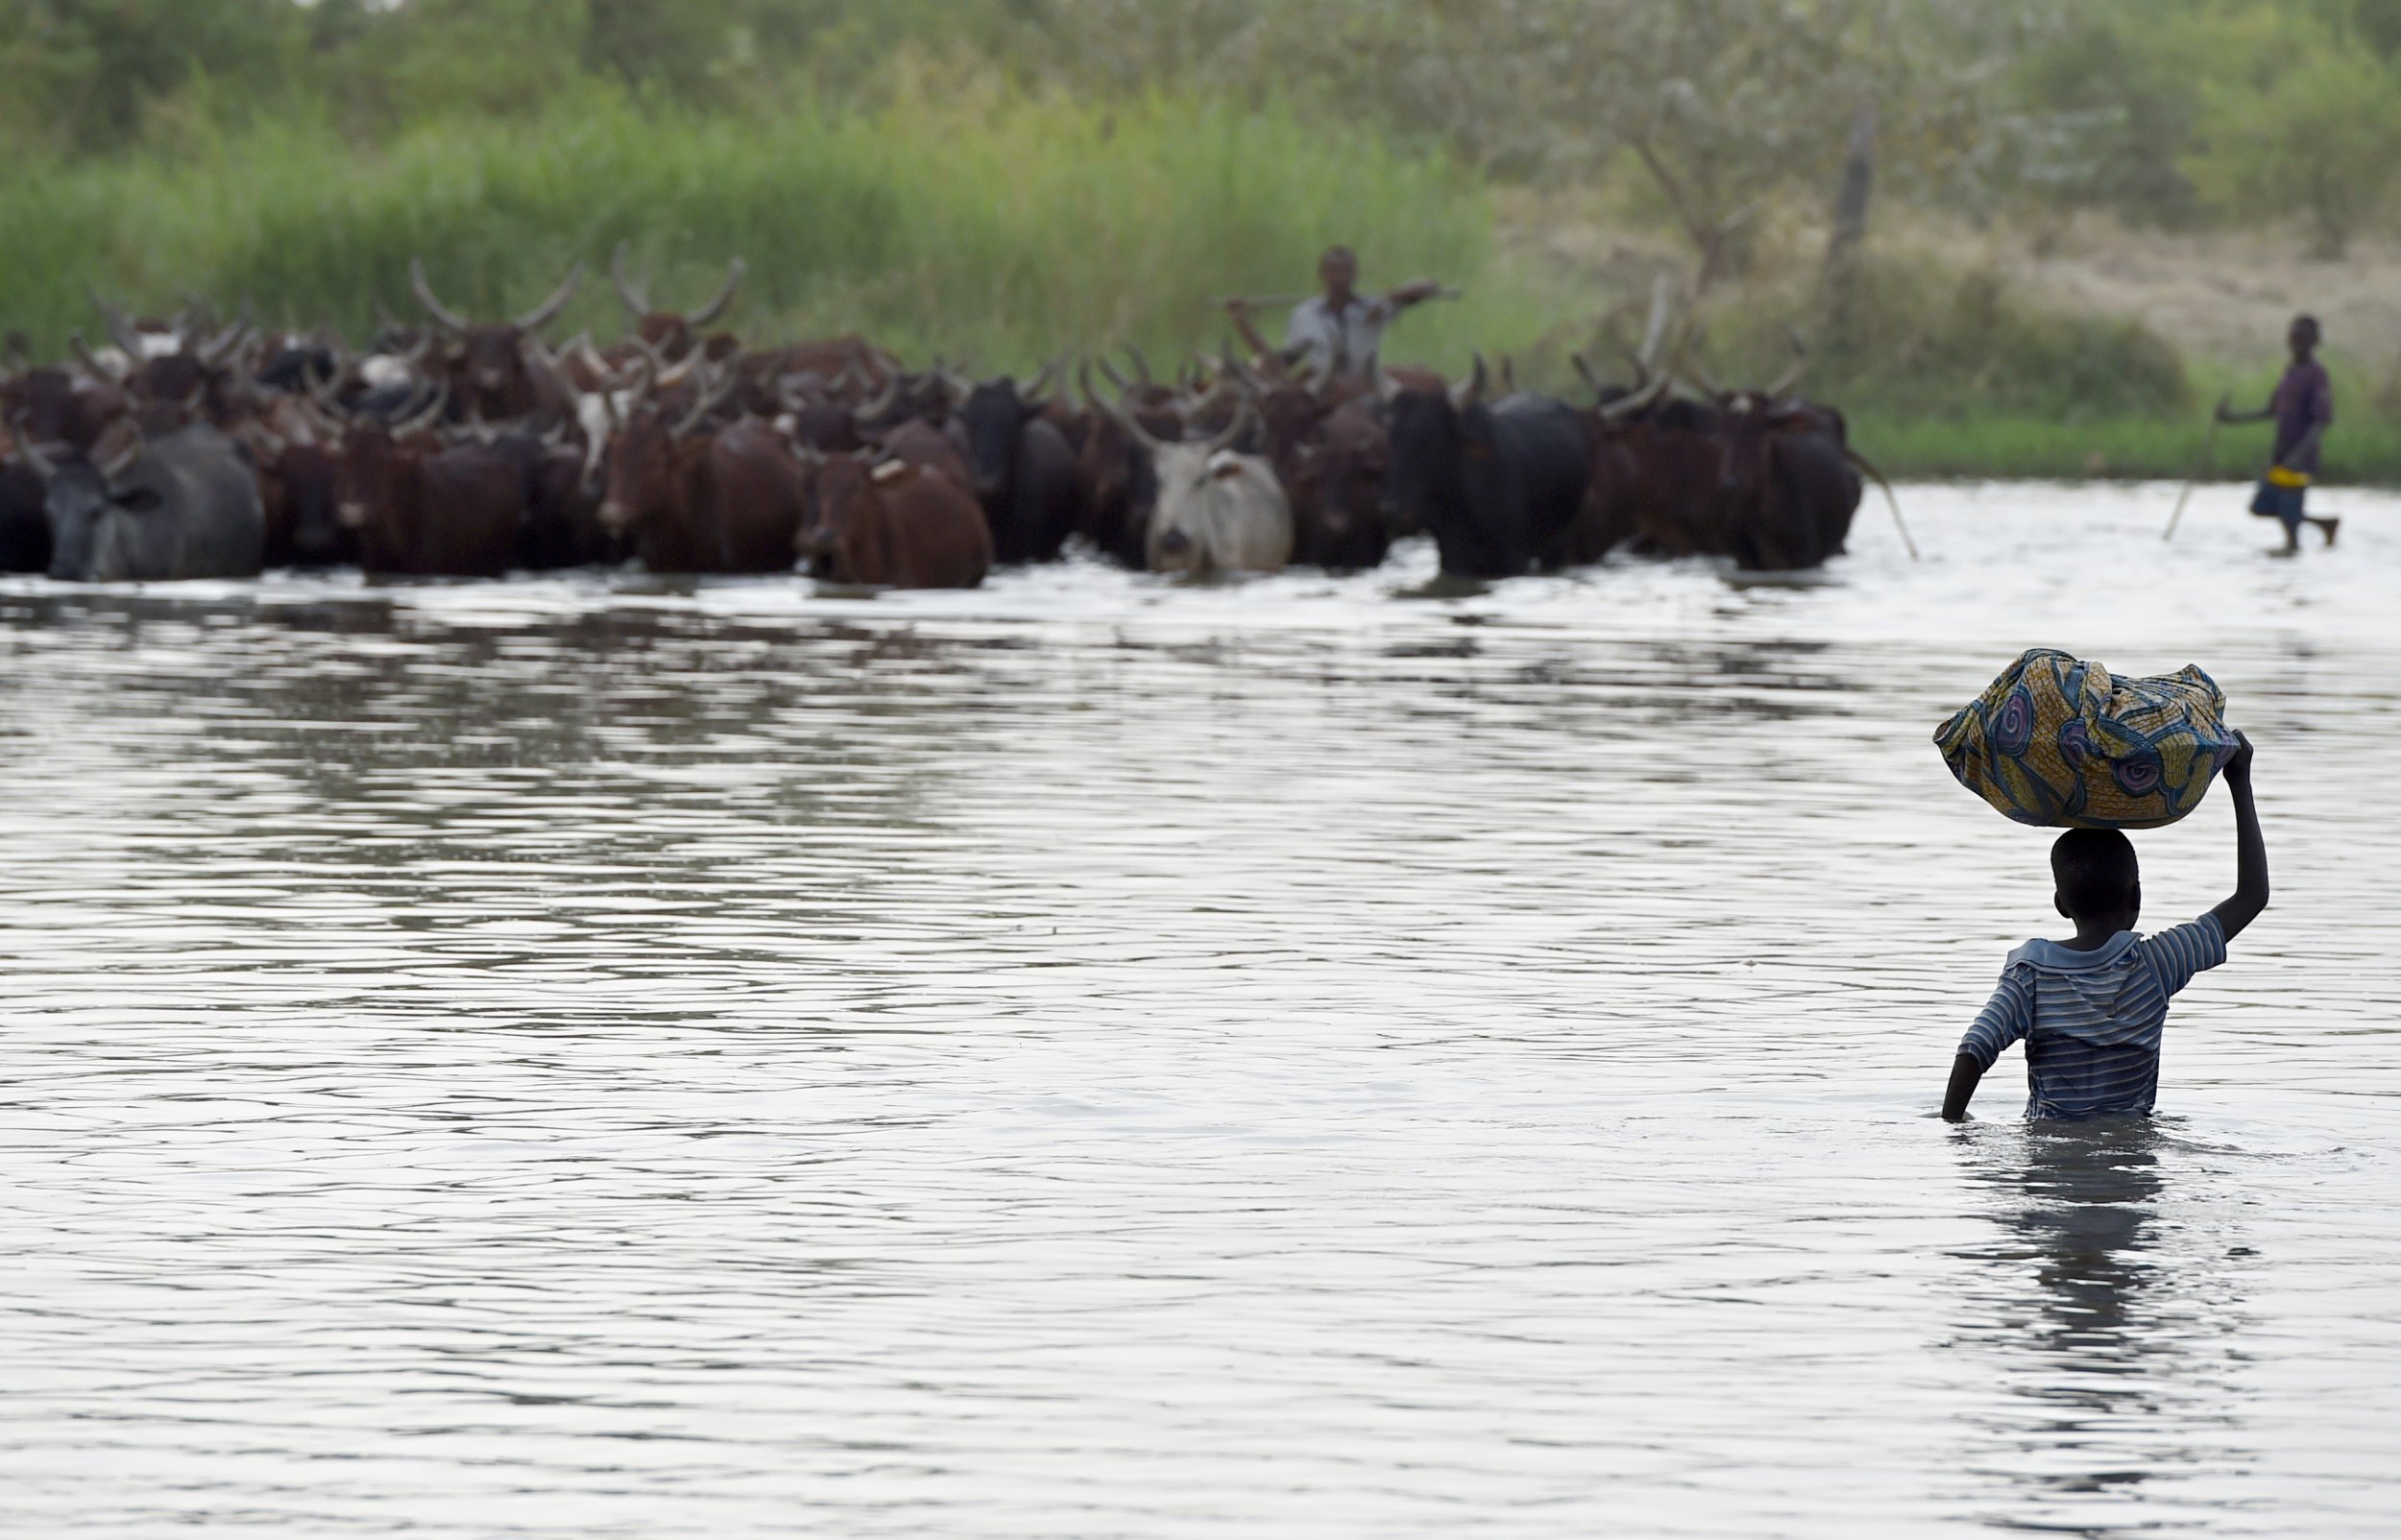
x=490 y=376
x=892 y=525
x=729 y=501
x=417 y=507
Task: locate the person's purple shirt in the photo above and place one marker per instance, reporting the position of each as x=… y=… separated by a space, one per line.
x=2304 y=399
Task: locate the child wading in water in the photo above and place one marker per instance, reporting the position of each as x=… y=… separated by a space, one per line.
x=2091 y=1009
x=2302 y=408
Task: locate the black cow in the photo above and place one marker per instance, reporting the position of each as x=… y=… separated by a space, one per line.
x=1024 y=470
x=185 y=505
x=24 y=525
x=1495 y=485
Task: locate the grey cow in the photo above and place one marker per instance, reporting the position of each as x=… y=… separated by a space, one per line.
x=185 y=505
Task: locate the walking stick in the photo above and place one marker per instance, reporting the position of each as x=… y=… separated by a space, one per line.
x=2200 y=464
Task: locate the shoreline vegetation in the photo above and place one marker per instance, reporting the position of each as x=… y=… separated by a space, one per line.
x=1123 y=221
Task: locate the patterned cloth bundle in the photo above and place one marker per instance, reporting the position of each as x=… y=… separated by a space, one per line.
x=2061 y=743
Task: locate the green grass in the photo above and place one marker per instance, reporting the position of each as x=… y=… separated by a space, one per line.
x=2363 y=448
x=992 y=232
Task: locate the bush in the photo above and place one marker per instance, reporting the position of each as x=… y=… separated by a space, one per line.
x=1924 y=340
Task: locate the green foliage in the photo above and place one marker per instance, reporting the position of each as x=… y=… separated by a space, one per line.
x=1122 y=222
x=2314 y=130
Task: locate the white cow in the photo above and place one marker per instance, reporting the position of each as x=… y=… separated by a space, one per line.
x=1216 y=511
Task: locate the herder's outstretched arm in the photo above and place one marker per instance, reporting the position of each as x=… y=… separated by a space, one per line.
x=2250 y=849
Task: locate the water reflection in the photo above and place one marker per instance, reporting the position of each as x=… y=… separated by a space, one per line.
x=2109 y=1308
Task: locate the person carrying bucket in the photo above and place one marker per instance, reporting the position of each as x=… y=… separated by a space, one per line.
x=2302 y=408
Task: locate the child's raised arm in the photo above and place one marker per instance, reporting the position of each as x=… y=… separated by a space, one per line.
x=2250 y=849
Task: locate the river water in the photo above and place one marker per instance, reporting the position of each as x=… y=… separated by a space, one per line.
x=1098 y=1057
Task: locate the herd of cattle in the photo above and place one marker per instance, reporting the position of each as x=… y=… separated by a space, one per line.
x=461 y=447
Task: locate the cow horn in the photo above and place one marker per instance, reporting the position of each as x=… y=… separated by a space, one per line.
x=1584 y=370
x=1800 y=366
x=868 y=411
x=98 y=370
x=1116 y=413
x=1039 y=387
x=1243 y=377
x=123 y=460
x=543 y=314
x=214 y=352
x=1655 y=329
x=122 y=331
x=713 y=393
x=1234 y=430
x=31 y=451
x=1108 y=372
x=1142 y=365
x=715 y=307
x=417 y=422
x=635 y=300
x=1471 y=393
x=1509 y=376
x=441 y=314
x=1634 y=401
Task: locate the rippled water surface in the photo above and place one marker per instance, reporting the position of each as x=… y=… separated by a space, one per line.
x=1098 y=1057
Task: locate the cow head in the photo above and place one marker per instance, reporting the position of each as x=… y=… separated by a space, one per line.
x=995 y=415
x=91 y=501
x=671 y=333
x=490 y=371
x=1439 y=436
x=1340 y=478
x=850 y=516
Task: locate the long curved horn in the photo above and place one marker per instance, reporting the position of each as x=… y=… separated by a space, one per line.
x=1108 y=372
x=1634 y=401
x=715 y=307
x=1655 y=329
x=31 y=452
x=1800 y=367
x=419 y=421
x=99 y=370
x=711 y=396
x=441 y=314
x=543 y=314
x=633 y=299
x=868 y=411
x=1040 y=384
x=118 y=463
x=1472 y=393
x=121 y=329
x=1124 y=419
x=214 y=352
x=1509 y=376
x=1142 y=365
x=1234 y=430
x=1584 y=371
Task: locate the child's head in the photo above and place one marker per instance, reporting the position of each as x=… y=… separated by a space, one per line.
x=2099 y=881
x=2303 y=337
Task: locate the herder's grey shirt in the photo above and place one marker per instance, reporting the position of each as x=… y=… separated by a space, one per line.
x=1341 y=346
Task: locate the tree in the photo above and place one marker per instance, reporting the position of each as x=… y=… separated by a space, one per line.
x=2319 y=136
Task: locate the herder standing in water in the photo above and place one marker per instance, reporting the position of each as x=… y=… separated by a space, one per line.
x=2302 y=408
x=1338 y=333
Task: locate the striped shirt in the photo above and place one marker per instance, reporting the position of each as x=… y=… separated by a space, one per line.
x=2092 y=1020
